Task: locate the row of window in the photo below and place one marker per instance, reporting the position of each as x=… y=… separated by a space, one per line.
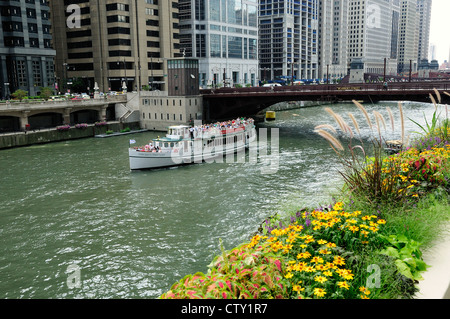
x=13 y=11
x=20 y=42
x=17 y=26
x=160 y=102
x=168 y=117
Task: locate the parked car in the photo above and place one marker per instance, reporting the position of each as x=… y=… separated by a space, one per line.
x=56 y=98
x=271 y=84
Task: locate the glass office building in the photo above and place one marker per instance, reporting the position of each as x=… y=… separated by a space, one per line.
x=223 y=35
x=26 y=53
x=288 y=33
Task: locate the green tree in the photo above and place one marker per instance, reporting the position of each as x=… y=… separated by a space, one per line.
x=20 y=94
x=46 y=92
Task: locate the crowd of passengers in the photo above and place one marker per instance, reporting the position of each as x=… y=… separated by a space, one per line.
x=217 y=127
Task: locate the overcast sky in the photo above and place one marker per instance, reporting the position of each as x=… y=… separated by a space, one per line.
x=440 y=29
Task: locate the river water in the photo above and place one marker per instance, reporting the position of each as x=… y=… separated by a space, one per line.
x=76 y=223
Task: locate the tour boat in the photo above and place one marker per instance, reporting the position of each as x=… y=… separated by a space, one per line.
x=184 y=144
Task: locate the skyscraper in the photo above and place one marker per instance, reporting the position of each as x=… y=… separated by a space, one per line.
x=223 y=35
x=26 y=53
x=288 y=33
x=424 y=9
x=109 y=42
x=372 y=34
x=333 y=39
x=408 y=48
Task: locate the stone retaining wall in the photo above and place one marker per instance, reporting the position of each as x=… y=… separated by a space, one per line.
x=17 y=139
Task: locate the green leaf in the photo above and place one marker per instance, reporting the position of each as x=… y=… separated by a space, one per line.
x=390 y=251
x=404 y=269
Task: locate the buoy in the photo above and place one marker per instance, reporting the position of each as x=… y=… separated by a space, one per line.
x=270 y=116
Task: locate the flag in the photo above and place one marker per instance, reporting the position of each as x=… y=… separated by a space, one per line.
x=132 y=141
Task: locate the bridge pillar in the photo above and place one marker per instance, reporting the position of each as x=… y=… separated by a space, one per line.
x=24 y=120
x=66 y=115
x=102 y=113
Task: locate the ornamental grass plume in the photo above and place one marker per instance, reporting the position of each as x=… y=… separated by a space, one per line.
x=368 y=177
x=331 y=139
x=391 y=117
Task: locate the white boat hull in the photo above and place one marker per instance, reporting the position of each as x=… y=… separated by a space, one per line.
x=140 y=160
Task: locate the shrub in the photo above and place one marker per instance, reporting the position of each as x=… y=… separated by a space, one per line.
x=243 y=273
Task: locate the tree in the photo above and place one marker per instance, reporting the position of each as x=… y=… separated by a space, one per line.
x=20 y=94
x=46 y=92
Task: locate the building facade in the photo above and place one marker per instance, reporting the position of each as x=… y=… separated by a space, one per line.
x=223 y=36
x=424 y=9
x=373 y=34
x=26 y=53
x=289 y=40
x=408 y=49
x=111 y=43
x=333 y=39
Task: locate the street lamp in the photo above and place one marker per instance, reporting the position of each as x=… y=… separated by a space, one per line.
x=65 y=66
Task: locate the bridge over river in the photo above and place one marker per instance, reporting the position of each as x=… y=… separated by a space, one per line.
x=226 y=103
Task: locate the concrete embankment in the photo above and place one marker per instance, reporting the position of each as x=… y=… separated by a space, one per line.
x=16 y=139
x=436 y=282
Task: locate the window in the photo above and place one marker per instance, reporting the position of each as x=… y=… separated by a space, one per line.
x=36 y=65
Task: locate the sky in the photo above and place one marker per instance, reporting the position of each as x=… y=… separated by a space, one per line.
x=440 y=29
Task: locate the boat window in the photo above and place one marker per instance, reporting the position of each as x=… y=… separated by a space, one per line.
x=166 y=144
x=171 y=144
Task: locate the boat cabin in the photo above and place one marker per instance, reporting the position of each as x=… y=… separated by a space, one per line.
x=178 y=132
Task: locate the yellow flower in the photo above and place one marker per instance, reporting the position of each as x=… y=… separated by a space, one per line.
x=328 y=273
x=338 y=260
x=309 y=269
x=381 y=221
x=297 y=288
x=353 y=228
x=324 y=252
x=319 y=292
x=303 y=255
x=316 y=259
x=321 y=241
x=338 y=206
x=320 y=279
x=331 y=245
x=343 y=284
x=288 y=275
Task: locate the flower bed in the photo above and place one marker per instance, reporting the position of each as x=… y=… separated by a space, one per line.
x=81 y=126
x=63 y=128
x=312 y=257
x=338 y=252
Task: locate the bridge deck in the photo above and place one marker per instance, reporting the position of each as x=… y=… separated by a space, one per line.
x=232 y=102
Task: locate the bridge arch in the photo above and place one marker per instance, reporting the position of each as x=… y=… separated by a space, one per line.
x=9 y=124
x=88 y=116
x=45 y=120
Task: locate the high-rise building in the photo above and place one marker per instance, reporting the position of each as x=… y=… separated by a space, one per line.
x=223 y=36
x=424 y=9
x=26 y=53
x=333 y=39
x=288 y=33
x=111 y=43
x=408 y=48
x=373 y=34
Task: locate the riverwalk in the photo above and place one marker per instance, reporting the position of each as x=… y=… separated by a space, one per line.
x=436 y=283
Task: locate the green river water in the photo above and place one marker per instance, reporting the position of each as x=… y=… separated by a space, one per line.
x=74 y=208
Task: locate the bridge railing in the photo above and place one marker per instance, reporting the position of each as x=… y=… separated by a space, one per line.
x=392 y=86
